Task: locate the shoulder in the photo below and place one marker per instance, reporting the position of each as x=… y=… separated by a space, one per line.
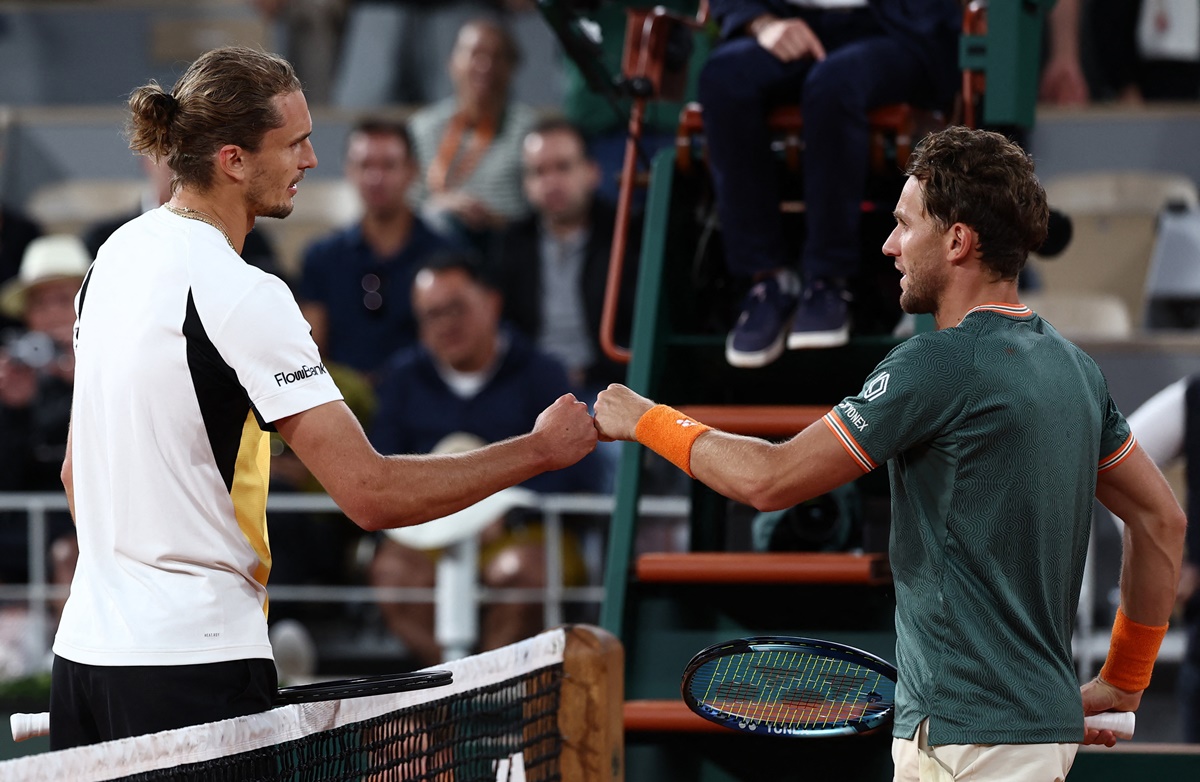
x=934 y=345
x=937 y=365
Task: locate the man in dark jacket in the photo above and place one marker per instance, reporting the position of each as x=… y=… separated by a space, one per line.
x=839 y=59
x=552 y=267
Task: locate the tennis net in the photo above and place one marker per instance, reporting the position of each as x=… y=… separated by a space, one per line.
x=531 y=711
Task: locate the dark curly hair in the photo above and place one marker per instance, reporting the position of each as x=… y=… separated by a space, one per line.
x=985 y=181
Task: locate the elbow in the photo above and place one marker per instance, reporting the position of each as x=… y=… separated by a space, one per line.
x=766 y=493
x=372 y=514
x=67 y=475
x=366 y=501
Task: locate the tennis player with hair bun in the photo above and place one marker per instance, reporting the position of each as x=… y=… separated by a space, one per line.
x=999 y=434
x=186 y=357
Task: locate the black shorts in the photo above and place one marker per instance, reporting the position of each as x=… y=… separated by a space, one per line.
x=94 y=703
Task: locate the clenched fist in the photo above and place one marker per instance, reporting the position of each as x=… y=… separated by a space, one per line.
x=566 y=432
x=617 y=412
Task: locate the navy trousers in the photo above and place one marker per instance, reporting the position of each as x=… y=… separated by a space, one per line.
x=740 y=82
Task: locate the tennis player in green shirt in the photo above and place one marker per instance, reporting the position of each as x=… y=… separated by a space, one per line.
x=998 y=434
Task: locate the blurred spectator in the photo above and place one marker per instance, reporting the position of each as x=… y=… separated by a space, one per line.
x=312 y=33
x=16 y=232
x=1062 y=80
x=257 y=251
x=395 y=51
x=355 y=284
x=37 y=371
x=469 y=146
x=1147 y=51
x=552 y=267
x=468 y=376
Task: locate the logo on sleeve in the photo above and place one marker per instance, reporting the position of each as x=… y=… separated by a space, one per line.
x=305 y=371
x=853 y=416
x=876 y=387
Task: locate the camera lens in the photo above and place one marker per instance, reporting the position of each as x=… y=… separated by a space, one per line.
x=33 y=349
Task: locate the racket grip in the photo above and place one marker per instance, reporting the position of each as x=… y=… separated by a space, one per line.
x=1119 y=722
x=27 y=726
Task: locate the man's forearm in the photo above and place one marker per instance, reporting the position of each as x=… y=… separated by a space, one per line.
x=1150 y=573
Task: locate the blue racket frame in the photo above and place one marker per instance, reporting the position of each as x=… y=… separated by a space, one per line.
x=881 y=700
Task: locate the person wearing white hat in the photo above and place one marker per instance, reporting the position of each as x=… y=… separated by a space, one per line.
x=36 y=379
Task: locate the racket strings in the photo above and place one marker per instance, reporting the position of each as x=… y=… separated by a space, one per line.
x=792 y=691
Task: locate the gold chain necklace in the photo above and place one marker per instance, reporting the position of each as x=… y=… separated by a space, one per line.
x=204 y=217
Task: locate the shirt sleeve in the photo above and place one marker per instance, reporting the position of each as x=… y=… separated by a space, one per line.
x=268 y=343
x=909 y=398
x=1116 y=439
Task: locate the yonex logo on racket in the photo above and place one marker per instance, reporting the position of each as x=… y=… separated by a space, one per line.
x=876 y=387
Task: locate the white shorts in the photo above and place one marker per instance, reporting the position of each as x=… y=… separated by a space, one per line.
x=917 y=761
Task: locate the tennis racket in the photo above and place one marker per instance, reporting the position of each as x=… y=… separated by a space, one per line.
x=27 y=726
x=358 y=688
x=803 y=687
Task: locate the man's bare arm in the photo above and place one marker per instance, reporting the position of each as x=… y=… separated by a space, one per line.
x=772 y=476
x=747 y=469
x=68 y=476
x=380 y=492
x=1138 y=493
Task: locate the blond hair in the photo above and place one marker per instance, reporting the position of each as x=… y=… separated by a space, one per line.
x=225 y=97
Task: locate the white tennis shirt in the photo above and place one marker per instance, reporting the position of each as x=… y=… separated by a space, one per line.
x=181 y=350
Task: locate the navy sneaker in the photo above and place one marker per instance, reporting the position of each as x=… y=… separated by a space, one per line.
x=759 y=335
x=821 y=319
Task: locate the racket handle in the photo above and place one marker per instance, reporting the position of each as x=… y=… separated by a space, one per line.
x=1119 y=722
x=27 y=726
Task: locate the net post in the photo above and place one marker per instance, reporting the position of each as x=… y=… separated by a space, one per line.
x=593 y=694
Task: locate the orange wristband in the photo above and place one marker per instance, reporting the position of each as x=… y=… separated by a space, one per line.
x=1131 y=653
x=670 y=434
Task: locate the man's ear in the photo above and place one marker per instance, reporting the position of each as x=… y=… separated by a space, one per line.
x=231 y=162
x=961 y=243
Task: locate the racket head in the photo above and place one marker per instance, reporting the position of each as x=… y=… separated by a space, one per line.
x=791 y=686
x=357 y=688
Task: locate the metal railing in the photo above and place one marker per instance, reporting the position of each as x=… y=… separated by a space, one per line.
x=456 y=596
x=457 y=603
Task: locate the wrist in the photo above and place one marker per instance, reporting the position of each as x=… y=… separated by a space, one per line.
x=1131 y=653
x=756 y=25
x=670 y=434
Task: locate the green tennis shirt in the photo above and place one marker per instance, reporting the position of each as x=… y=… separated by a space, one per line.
x=995 y=431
